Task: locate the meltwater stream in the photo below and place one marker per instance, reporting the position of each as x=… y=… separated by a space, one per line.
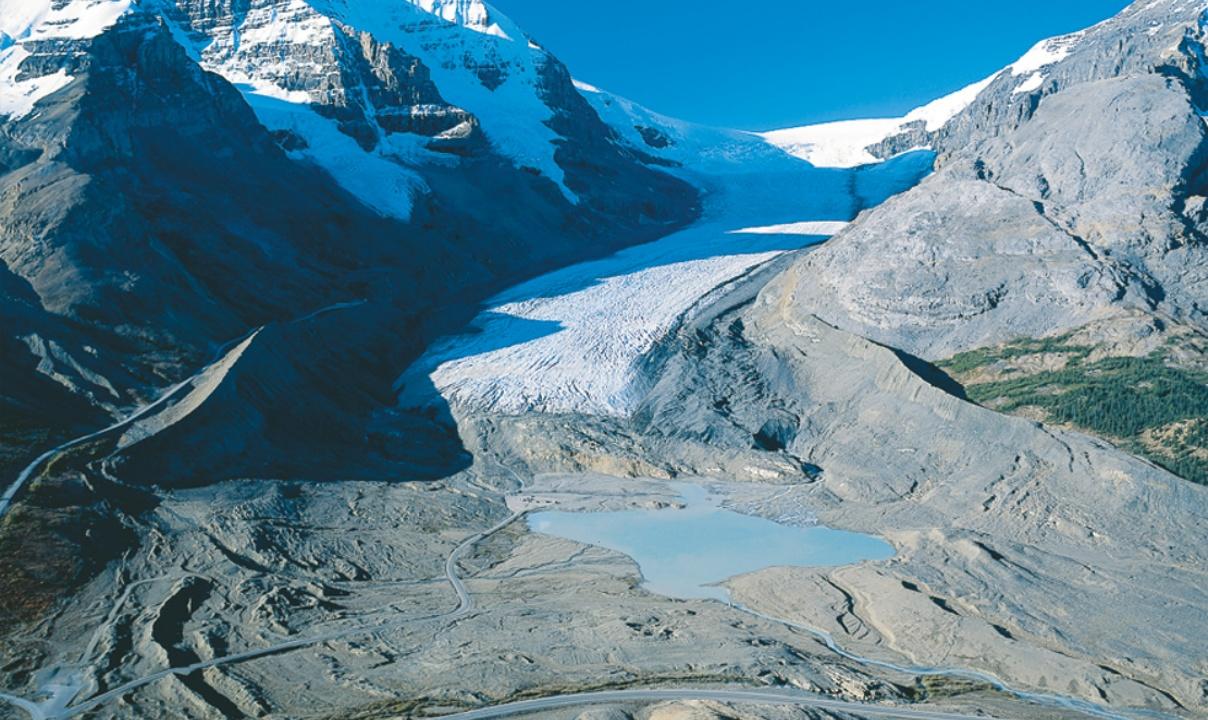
x=685 y=552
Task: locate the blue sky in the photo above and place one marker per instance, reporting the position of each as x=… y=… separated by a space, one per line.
x=763 y=64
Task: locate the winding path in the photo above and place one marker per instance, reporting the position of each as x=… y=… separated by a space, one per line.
x=750 y=697
x=56 y=707
x=59 y=694
x=41 y=461
x=1053 y=701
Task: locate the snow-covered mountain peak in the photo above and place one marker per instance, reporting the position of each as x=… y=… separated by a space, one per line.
x=473 y=14
x=386 y=80
x=477 y=59
x=418 y=17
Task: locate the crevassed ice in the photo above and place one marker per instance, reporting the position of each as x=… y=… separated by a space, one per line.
x=578 y=349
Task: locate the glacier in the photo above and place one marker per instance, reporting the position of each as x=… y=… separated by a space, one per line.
x=578 y=340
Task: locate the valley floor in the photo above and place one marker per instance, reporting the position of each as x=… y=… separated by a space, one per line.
x=399 y=586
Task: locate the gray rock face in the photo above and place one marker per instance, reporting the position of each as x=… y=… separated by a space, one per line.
x=1051 y=208
x=369 y=87
x=1073 y=204
x=915 y=280
x=148 y=213
x=84 y=236
x=43 y=386
x=379 y=84
x=378 y=72
x=1164 y=38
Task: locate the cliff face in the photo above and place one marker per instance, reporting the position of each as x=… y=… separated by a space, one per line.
x=457 y=77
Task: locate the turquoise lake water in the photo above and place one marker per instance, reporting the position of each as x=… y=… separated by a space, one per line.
x=683 y=553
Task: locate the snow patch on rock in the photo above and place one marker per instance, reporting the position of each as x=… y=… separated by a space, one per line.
x=17 y=97
x=510 y=108
x=25 y=21
x=937 y=113
x=478 y=59
x=1034 y=82
x=1045 y=53
x=809 y=227
x=473 y=14
x=381 y=179
x=845 y=144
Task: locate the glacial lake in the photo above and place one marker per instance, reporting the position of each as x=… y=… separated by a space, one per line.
x=683 y=553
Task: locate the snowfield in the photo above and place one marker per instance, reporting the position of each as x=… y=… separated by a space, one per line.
x=451 y=37
x=17 y=97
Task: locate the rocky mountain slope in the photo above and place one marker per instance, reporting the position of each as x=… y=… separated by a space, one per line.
x=1063 y=197
x=1068 y=200
x=174 y=175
